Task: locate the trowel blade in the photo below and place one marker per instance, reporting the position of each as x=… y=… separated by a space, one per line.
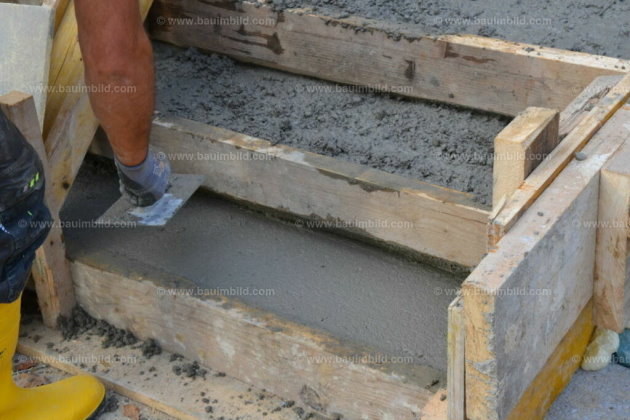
x=124 y=214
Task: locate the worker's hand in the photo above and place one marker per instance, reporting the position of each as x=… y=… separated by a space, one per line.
x=147 y=182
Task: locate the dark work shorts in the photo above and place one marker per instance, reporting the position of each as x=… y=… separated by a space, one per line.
x=24 y=218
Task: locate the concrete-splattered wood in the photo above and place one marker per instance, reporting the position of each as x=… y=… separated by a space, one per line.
x=336 y=195
x=51 y=270
x=557 y=372
x=612 y=241
x=152 y=382
x=455 y=381
x=557 y=160
x=70 y=122
x=524 y=297
x=477 y=72
x=291 y=361
x=520 y=147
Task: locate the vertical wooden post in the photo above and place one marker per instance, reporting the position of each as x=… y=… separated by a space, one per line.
x=51 y=270
x=455 y=383
x=612 y=242
x=520 y=147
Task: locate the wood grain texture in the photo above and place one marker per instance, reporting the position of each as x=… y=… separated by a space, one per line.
x=334 y=194
x=483 y=73
x=256 y=347
x=524 y=297
x=558 y=159
x=520 y=147
x=557 y=372
x=51 y=270
x=612 y=242
x=455 y=381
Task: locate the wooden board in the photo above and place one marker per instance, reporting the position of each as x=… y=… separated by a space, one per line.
x=612 y=241
x=455 y=381
x=334 y=194
x=289 y=360
x=472 y=71
x=561 y=156
x=524 y=297
x=557 y=372
x=51 y=270
x=26 y=42
x=520 y=147
x=128 y=372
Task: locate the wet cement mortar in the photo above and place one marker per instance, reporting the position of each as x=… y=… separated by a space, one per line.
x=355 y=292
x=436 y=143
x=591 y=26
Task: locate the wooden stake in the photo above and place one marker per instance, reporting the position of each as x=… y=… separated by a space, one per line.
x=520 y=148
x=455 y=373
x=612 y=241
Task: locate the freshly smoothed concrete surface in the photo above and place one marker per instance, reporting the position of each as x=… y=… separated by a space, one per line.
x=351 y=290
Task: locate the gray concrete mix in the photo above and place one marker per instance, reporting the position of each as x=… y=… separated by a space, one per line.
x=351 y=290
x=436 y=143
x=602 y=395
x=591 y=26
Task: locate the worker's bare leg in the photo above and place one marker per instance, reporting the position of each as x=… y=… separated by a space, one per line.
x=119 y=69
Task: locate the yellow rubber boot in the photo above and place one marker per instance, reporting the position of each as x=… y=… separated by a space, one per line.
x=74 y=398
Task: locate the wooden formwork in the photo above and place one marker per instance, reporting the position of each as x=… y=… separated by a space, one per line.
x=543 y=265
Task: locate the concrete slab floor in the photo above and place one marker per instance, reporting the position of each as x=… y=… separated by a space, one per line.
x=602 y=395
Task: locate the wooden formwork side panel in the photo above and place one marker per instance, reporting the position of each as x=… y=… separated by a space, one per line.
x=483 y=73
x=522 y=300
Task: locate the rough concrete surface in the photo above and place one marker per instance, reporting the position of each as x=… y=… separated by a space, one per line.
x=591 y=26
x=436 y=143
x=351 y=290
x=601 y=395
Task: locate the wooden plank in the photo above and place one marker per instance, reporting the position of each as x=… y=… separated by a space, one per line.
x=524 y=297
x=612 y=242
x=520 y=147
x=558 y=370
x=26 y=42
x=456 y=364
x=472 y=71
x=66 y=68
x=59 y=6
x=70 y=122
x=51 y=270
x=128 y=372
x=289 y=360
x=561 y=156
x=334 y=194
